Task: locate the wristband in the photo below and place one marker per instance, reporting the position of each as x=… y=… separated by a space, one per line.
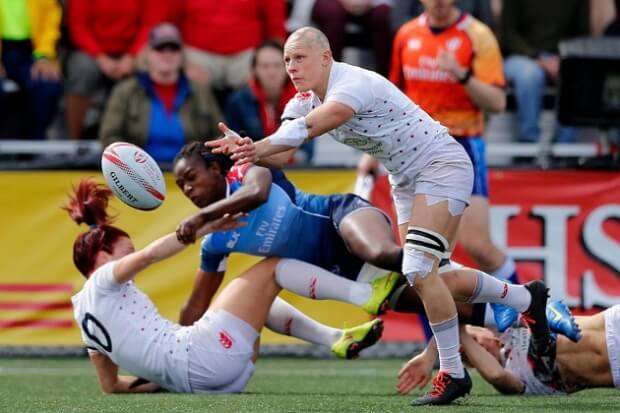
x=465 y=77
x=292 y=133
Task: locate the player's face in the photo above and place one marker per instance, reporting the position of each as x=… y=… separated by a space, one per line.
x=303 y=65
x=269 y=69
x=202 y=184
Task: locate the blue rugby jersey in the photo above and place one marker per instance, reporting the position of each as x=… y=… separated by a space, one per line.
x=278 y=228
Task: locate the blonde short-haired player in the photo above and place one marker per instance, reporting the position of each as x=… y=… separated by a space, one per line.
x=430 y=174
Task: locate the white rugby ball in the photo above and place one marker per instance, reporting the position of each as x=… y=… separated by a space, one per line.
x=133 y=175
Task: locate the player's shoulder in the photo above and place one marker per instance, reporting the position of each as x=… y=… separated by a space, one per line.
x=475 y=29
x=237 y=173
x=413 y=26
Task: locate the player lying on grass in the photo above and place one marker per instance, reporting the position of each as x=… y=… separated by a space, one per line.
x=337 y=233
x=122 y=328
x=507 y=362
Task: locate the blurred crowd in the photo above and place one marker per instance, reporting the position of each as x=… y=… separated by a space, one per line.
x=160 y=73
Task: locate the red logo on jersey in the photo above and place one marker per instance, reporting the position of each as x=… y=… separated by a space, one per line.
x=225 y=339
x=303 y=95
x=237 y=172
x=505 y=292
x=313 y=281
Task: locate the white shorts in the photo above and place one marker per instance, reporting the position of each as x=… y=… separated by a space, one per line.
x=612 y=336
x=220 y=353
x=447 y=173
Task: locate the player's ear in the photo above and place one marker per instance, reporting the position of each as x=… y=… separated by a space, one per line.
x=214 y=168
x=326 y=57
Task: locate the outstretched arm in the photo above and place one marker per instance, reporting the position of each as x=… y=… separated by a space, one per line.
x=127 y=267
x=252 y=194
x=111 y=382
x=292 y=134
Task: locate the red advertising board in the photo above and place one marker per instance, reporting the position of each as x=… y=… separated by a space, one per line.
x=559 y=226
x=563 y=227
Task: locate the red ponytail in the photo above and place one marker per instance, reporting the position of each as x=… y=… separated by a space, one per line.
x=88 y=205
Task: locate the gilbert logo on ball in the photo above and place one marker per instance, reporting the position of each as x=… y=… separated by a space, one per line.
x=133 y=175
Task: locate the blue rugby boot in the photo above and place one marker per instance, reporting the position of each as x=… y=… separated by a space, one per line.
x=505 y=316
x=561 y=320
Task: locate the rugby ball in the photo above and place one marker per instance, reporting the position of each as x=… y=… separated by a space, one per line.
x=133 y=175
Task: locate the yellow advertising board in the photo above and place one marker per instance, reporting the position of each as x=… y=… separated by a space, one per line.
x=37 y=276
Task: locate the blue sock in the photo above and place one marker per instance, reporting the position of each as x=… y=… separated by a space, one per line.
x=507 y=271
x=428 y=333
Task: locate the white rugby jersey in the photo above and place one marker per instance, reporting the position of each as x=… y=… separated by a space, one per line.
x=515 y=342
x=121 y=322
x=386 y=124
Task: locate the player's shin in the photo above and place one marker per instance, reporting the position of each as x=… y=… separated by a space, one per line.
x=489 y=289
x=314 y=282
x=285 y=319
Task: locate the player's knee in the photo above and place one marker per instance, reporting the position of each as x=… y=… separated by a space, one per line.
x=384 y=254
x=423 y=248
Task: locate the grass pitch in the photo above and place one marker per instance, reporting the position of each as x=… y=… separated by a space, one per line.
x=279 y=385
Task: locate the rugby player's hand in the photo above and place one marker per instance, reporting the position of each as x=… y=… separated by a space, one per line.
x=226 y=144
x=245 y=152
x=186 y=230
x=415 y=374
x=227 y=222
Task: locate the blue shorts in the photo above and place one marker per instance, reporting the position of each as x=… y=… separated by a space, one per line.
x=344 y=262
x=474 y=146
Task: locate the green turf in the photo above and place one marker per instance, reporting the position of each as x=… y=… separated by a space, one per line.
x=279 y=385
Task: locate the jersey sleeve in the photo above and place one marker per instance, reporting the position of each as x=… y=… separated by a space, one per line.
x=487 y=62
x=350 y=92
x=103 y=278
x=300 y=105
x=211 y=261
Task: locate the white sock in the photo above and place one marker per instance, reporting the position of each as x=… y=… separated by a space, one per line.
x=491 y=290
x=448 y=346
x=314 y=282
x=285 y=319
x=489 y=317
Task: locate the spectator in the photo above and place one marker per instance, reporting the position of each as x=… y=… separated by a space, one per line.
x=604 y=19
x=160 y=110
x=29 y=31
x=331 y=16
x=405 y=10
x=450 y=64
x=107 y=36
x=256 y=108
x=221 y=36
x=531 y=31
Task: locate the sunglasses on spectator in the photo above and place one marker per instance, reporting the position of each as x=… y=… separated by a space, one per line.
x=171 y=47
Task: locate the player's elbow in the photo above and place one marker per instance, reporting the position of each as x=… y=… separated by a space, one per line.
x=109 y=386
x=504 y=382
x=500 y=104
x=256 y=196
